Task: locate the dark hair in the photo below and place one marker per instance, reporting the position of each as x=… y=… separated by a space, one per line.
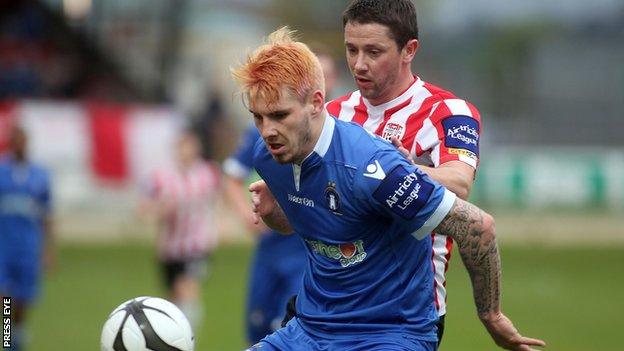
x=398 y=15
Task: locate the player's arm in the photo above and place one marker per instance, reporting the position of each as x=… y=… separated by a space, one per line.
x=266 y=207
x=474 y=232
x=152 y=206
x=234 y=193
x=237 y=169
x=456 y=176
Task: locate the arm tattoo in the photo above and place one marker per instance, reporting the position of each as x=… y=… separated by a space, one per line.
x=479 y=251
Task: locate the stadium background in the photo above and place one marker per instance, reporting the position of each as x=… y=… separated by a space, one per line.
x=102 y=87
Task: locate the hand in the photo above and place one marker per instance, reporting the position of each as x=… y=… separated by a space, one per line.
x=507 y=336
x=399 y=145
x=262 y=200
x=257 y=229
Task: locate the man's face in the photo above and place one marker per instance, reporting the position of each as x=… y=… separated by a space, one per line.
x=374 y=59
x=285 y=127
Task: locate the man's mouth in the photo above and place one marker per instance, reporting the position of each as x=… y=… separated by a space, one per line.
x=275 y=148
x=363 y=81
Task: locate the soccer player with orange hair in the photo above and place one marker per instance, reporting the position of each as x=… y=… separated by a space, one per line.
x=363 y=211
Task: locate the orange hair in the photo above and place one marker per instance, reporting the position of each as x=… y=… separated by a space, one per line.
x=281 y=61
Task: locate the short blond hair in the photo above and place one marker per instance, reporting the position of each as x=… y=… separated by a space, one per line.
x=281 y=61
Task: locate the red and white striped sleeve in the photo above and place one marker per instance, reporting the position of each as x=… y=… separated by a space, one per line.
x=452 y=132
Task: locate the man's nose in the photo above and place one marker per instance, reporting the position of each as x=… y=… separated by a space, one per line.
x=360 y=64
x=268 y=128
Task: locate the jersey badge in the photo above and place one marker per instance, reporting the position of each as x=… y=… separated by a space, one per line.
x=461 y=132
x=375 y=171
x=404 y=192
x=332 y=197
x=392 y=130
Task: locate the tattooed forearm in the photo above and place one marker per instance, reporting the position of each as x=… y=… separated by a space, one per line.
x=473 y=230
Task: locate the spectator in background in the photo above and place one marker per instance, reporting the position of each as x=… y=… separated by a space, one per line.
x=279 y=261
x=26 y=241
x=182 y=199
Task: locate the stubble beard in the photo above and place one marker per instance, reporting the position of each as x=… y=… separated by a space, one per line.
x=304 y=137
x=296 y=154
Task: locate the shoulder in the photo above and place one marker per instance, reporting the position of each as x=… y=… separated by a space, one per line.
x=357 y=144
x=444 y=104
x=334 y=107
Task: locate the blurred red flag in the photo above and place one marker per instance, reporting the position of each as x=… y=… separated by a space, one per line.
x=108 y=142
x=7 y=120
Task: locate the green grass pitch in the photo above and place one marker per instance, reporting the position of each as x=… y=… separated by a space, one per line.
x=572 y=297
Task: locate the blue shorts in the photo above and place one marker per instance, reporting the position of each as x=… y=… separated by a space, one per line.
x=276 y=275
x=294 y=337
x=19 y=275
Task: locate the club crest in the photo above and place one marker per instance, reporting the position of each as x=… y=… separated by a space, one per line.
x=332 y=197
x=392 y=130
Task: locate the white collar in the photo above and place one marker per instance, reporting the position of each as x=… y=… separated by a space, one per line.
x=324 y=140
x=321 y=147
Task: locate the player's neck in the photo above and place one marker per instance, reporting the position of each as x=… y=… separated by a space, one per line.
x=404 y=82
x=316 y=128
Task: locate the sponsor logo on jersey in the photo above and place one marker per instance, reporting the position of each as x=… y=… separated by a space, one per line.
x=347 y=254
x=332 y=197
x=404 y=192
x=462 y=152
x=392 y=130
x=375 y=171
x=304 y=201
x=461 y=132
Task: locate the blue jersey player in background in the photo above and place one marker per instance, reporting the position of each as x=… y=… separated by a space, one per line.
x=25 y=236
x=277 y=267
x=363 y=211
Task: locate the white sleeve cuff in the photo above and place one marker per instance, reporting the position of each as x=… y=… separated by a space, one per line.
x=438 y=215
x=235 y=169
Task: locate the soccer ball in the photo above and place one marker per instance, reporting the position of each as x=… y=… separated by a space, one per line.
x=147 y=324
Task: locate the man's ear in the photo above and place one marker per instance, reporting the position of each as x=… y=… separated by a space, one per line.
x=409 y=50
x=317 y=102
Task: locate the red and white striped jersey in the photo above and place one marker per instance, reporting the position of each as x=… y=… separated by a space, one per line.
x=436 y=126
x=188 y=228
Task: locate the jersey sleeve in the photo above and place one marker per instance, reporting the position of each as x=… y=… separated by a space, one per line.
x=240 y=164
x=392 y=187
x=457 y=124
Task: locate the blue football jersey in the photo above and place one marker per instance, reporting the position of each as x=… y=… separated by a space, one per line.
x=24 y=201
x=365 y=213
